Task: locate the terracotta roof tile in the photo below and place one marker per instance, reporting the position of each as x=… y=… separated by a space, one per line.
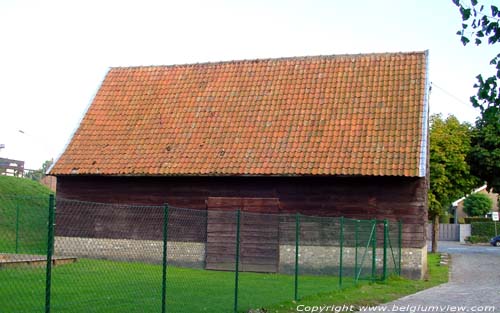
x=324 y=115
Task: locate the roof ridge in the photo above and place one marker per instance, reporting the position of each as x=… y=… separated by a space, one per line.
x=281 y=59
x=348 y=114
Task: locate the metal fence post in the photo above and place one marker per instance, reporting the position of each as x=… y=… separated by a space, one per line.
x=400 y=244
x=374 y=249
x=386 y=233
x=164 y=263
x=341 y=249
x=50 y=252
x=17 y=227
x=237 y=265
x=356 y=239
x=297 y=239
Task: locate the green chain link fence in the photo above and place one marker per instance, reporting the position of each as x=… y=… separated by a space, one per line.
x=131 y=258
x=23 y=253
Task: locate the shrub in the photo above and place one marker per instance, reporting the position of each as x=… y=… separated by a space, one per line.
x=477 y=239
x=444 y=219
x=483 y=229
x=477 y=204
x=470 y=220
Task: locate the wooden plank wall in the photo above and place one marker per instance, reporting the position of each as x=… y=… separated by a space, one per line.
x=81 y=219
x=394 y=198
x=259 y=234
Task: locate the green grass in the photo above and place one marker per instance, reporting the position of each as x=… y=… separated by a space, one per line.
x=374 y=293
x=23 y=215
x=10 y=186
x=108 y=286
x=115 y=287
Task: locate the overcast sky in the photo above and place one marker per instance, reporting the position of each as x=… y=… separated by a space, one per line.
x=55 y=54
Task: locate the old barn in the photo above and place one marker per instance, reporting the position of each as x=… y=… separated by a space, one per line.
x=339 y=135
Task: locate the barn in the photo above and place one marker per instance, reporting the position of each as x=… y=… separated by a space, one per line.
x=335 y=135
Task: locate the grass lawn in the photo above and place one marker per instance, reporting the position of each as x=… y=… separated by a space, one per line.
x=23 y=215
x=115 y=287
x=374 y=293
x=107 y=286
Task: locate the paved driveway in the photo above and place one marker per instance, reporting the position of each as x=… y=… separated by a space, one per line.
x=474 y=283
x=454 y=247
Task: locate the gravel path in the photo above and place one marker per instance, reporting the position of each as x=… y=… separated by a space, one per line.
x=474 y=286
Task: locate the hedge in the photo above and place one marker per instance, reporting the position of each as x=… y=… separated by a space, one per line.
x=484 y=229
x=469 y=220
x=477 y=239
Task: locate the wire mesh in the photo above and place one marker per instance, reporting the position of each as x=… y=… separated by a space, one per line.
x=201 y=260
x=23 y=248
x=134 y=258
x=318 y=255
x=365 y=256
x=267 y=259
x=394 y=249
x=355 y=241
x=112 y=258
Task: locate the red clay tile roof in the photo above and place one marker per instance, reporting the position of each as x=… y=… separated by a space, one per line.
x=323 y=115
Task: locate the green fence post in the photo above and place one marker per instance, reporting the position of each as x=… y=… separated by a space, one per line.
x=237 y=265
x=374 y=249
x=164 y=265
x=341 y=249
x=50 y=252
x=386 y=233
x=356 y=239
x=400 y=244
x=297 y=240
x=17 y=227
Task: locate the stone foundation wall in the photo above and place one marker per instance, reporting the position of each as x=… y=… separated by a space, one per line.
x=325 y=260
x=188 y=254
x=312 y=259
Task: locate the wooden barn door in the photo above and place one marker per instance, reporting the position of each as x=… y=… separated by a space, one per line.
x=259 y=234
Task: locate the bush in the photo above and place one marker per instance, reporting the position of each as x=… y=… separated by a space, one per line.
x=477 y=204
x=477 y=239
x=470 y=220
x=444 y=219
x=483 y=229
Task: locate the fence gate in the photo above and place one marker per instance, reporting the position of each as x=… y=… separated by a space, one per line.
x=259 y=234
x=447 y=232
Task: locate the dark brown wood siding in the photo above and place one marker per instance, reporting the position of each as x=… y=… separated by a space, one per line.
x=259 y=234
x=393 y=198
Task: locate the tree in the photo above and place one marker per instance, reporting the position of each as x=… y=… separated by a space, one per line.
x=450 y=176
x=477 y=204
x=480 y=24
x=40 y=173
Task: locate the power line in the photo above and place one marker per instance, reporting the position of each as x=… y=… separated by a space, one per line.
x=449 y=94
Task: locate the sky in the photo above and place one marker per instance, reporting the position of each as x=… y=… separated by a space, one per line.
x=55 y=54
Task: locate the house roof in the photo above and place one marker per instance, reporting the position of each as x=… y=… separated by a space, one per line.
x=360 y=114
x=456 y=202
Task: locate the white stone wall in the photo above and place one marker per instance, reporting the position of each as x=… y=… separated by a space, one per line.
x=312 y=259
x=321 y=259
x=190 y=254
x=465 y=231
